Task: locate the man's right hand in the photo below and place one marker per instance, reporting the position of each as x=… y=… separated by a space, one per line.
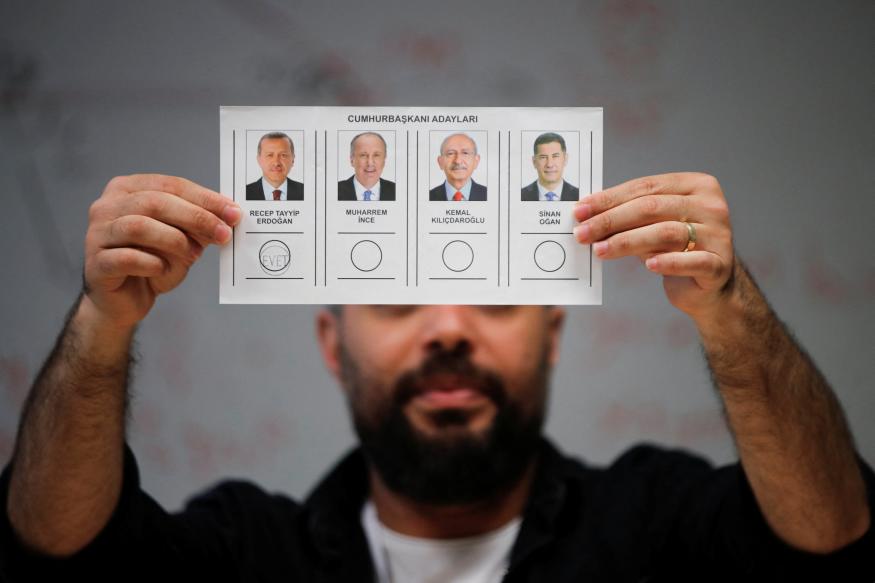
x=144 y=233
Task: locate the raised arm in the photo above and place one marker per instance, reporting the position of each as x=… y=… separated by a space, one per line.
x=144 y=234
x=788 y=426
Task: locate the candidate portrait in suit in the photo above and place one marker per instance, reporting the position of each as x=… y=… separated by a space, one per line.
x=276 y=157
x=367 y=156
x=549 y=159
x=458 y=159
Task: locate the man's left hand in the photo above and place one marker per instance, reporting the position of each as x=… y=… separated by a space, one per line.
x=645 y=218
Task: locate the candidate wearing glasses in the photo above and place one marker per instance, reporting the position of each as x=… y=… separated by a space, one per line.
x=458 y=159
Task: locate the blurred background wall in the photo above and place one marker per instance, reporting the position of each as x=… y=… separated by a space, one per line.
x=774 y=98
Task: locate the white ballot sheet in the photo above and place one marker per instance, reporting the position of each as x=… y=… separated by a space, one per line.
x=409 y=205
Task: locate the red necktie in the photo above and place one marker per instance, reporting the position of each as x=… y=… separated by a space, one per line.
x=276 y=194
x=457 y=196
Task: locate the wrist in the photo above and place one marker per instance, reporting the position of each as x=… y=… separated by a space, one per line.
x=104 y=338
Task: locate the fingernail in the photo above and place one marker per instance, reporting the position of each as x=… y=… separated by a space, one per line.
x=582 y=212
x=585 y=198
x=600 y=248
x=222 y=233
x=652 y=263
x=231 y=214
x=582 y=232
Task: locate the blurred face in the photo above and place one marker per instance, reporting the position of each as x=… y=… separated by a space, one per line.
x=439 y=392
x=276 y=160
x=368 y=159
x=550 y=163
x=458 y=160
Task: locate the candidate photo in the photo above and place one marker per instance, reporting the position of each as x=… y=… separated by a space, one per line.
x=549 y=159
x=458 y=159
x=367 y=156
x=276 y=158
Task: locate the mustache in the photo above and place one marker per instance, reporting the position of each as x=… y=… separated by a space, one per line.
x=458 y=166
x=446 y=369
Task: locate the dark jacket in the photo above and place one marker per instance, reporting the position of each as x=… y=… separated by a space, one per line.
x=439 y=192
x=346 y=190
x=653 y=515
x=569 y=192
x=294 y=190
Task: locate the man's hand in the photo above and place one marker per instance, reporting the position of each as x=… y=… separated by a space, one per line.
x=645 y=218
x=144 y=234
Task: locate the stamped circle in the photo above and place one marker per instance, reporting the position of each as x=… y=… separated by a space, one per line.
x=549 y=256
x=274 y=257
x=366 y=255
x=457 y=255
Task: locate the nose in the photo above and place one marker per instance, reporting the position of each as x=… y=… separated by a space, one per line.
x=448 y=328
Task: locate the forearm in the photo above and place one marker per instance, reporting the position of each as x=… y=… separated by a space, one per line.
x=789 y=429
x=67 y=464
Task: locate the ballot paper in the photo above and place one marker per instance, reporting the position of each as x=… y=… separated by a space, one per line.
x=409 y=205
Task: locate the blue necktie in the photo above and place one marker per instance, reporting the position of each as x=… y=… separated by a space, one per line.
x=368 y=194
x=551 y=196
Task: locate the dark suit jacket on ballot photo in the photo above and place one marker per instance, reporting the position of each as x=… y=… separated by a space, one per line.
x=346 y=189
x=294 y=190
x=569 y=192
x=439 y=192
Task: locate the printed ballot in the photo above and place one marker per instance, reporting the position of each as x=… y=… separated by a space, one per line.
x=417 y=205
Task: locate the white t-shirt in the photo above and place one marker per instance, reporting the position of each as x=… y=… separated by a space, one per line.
x=399 y=558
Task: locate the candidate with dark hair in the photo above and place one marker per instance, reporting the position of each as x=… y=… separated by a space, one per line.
x=549 y=159
x=276 y=157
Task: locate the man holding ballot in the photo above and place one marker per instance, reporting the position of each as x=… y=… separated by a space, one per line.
x=453 y=479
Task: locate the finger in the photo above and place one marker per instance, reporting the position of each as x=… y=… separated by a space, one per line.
x=110 y=267
x=146 y=232
x=681 y=183
x=635 y=213
x=196 y=222
x=210 y=200
x=702 y=265
x=665 y=237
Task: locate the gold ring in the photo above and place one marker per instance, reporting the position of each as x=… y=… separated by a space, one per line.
x=691 y=237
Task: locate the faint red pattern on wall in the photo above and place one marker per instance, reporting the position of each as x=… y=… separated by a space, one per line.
x=619 y=418
x=641 y=117
x=680 y=332
x=210 y=451
x=332 y=75
x=426 y=49
x=632 y=34
x=826 y=283
x=653 y=419
x=174 y=356
x=15 y=376
x=767 y=266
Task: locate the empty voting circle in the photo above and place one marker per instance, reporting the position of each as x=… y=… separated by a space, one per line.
x=366 y=255
x=549 y=256
x=458 y=256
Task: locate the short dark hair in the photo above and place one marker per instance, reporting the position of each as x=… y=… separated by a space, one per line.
x=548 y=138
x=276 y=136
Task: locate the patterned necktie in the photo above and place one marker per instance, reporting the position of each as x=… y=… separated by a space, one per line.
x=277 y=193
x=457 y=196
x=551 y=196
x=368 y=194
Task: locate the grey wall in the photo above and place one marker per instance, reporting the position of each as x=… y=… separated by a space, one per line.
x=774 y=98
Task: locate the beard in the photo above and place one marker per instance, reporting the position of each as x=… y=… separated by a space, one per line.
x=454 y=465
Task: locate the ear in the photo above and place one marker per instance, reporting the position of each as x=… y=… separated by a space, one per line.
x=328 y=335
x=555 y=322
